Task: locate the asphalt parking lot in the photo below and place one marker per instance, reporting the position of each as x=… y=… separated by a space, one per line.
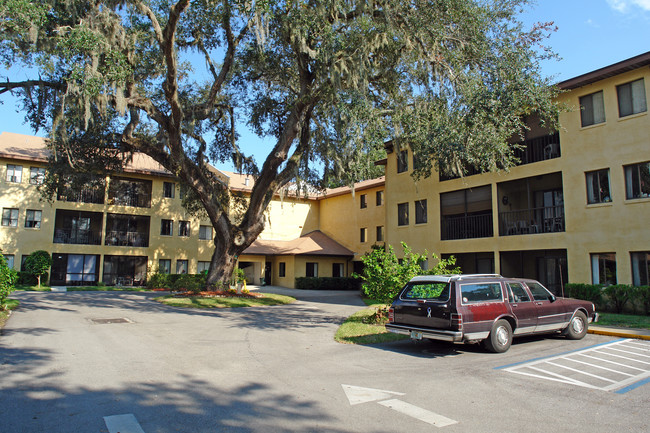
x=109 y=362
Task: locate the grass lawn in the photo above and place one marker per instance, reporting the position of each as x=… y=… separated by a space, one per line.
x=624 y=320
x=4 y=314
x=360 y=329
x=225 y=301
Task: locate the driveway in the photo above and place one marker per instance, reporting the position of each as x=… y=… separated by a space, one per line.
x=68 y=360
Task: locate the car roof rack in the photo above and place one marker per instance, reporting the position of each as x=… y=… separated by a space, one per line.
x=461 y=276
x=448 y=277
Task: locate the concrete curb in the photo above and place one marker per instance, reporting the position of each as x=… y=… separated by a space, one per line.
x=619 y=332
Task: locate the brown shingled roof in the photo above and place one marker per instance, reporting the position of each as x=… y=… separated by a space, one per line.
x=315 y=243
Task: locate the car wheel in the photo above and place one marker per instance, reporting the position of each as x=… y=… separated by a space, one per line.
x=577 y=328
x=500 y=337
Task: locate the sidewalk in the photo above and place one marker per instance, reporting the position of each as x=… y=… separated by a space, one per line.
x=642 y=334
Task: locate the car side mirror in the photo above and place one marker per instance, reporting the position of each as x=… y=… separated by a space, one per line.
x=552 y=298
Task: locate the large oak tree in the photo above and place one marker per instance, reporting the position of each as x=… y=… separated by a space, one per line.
x=329 y=80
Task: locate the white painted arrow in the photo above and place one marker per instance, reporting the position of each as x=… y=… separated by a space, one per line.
x=358 y=395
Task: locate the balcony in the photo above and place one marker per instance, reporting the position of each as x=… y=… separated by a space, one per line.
x=127 y=239
x=129 y=192
x=539 y=149
x=467 y=226
x=85 y=195
x=548 y=219
x=77 y=236
x=133 y=200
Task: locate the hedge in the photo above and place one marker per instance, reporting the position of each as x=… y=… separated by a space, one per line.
x=615 y=298
x=328 y=283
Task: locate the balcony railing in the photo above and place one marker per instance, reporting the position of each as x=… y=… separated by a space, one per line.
x=77 y=236
x=86 y=195
x=127 y=239
x=467 y=227
x=539 y=149
x=134 y=200
x=530 y=221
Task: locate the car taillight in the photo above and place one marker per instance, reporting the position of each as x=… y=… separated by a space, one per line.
x=456 y=321
x=391 y=315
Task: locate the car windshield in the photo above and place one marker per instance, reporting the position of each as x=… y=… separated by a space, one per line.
x=427 y=290
x=481 y=292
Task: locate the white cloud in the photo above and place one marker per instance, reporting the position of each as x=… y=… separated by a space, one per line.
x=625 y=5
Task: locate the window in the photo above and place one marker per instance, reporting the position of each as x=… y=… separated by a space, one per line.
x=168 y=190
x=282 y=269
x=181 y=266
x=420 y=212
x=10 y=260
x=380 y=197
x=10 y=217
x=165 y=266
x=640 y=268
x=598 y=187
x=432 y=291
x=402 y=161
x=312 y=269
x=23 y=259
x=364 y=201
x=380 y=233
x=33 y=219
x=183 y=228
x=631 y=98
x=14 y=173
x=202 y=267
x=637 y=181
x=403 y=214
x=482 y=292
x=166 y=227
x=517 y=293
x=603 y=268
x=36 y=175
x=363 y=234
x=205 y=233
x=337 y=270
x=539 y=292
x=592 y=109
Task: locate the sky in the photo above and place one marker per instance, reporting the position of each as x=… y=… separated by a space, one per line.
x=591 y=34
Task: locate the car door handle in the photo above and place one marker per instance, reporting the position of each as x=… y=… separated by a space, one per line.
x=539 y=303
x=514 y=305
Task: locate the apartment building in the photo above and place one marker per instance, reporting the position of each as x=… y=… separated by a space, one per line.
x=575 y=209
x=133 y=224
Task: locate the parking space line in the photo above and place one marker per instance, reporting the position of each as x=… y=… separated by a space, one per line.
x=126 y=423
x=623 y=373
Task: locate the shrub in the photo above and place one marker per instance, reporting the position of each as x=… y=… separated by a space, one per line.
x=587 y=292
x=641 y=294
x=384 y=274
x=8 y=278
x=158 y=281
x=189 y=282
x=618 y=295
x=26 y=279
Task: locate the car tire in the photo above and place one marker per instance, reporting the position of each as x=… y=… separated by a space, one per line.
x=500 y=337
x=577 y=328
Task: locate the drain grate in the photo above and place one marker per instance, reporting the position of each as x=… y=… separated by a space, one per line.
x=109 y=321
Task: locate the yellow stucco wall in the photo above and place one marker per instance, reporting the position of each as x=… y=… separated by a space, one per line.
x=342 y=218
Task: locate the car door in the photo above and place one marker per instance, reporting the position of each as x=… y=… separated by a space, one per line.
x=551 y=315
x=523 y=308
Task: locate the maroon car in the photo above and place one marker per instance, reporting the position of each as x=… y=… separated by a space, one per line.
x=485 y=308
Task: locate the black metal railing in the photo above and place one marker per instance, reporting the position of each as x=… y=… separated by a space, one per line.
x=127 y=239
x=539 y=149
x=134 y=200
x=548 y=219
x=77 y=236
x=467 y=227
x=85 y=195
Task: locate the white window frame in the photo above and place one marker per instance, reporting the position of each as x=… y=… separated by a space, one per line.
x=14 y=173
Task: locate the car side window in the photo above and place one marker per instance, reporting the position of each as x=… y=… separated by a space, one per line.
x=539 y=292
x=518 y=293
x=481 y=292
